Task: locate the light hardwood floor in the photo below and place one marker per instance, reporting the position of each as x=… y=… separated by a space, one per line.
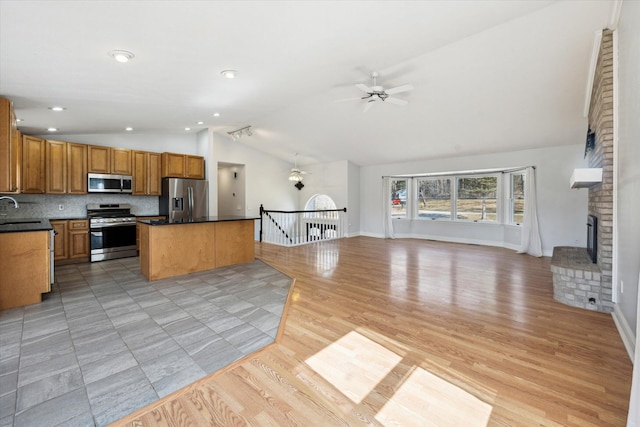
x=414 y=332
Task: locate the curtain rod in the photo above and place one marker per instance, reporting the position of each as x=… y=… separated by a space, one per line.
x=470 y=172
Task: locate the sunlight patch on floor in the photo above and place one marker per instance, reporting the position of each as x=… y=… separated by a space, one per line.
x=354 y=365
x=427 y=400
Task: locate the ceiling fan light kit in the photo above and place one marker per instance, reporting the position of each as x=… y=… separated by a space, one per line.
x=377 y=93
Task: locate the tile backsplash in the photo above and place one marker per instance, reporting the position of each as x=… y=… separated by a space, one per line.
x=74 y=206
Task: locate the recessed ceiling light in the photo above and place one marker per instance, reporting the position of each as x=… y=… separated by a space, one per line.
x=57 y=108
x=121 y=55
x=199 y=123
x=187 y=129
x=230 y=74
x=128 y=129
x=52 y=129
x=216 y=114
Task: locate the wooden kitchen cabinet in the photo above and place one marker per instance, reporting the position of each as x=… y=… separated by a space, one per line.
x=56 y=167
x=76 y=168
x=194 y=167
x=182 y=166
x=109 y=160
x=146 y=173
x=120 y=161
x=10 y=147
x=173 y=165
x=78 y=239
x=33 y=165
x=60 y=241
x=98 y=159
x=71 y=243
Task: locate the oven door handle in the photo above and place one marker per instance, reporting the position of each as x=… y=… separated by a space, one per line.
x=116 y=224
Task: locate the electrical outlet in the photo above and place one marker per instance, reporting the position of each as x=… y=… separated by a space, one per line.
x=60 y=207
x=621 y=287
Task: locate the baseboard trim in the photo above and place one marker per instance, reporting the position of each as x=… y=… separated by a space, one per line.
x=628 y=339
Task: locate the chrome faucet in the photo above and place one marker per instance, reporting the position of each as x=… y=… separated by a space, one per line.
x=15 y=202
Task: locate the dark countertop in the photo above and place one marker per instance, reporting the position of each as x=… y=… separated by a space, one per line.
x=13 y=225
x=197 y=220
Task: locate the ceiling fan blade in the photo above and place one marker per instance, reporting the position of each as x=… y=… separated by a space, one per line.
x=348 y=99
x=367 y=106
x=396 y=101
x=403 y=88
x=364 y=87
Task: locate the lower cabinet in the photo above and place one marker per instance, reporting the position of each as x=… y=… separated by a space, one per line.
x=71 y=243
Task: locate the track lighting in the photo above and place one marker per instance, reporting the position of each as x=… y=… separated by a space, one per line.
x=237 y=134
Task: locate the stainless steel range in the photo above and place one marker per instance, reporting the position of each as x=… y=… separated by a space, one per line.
x=112 y=230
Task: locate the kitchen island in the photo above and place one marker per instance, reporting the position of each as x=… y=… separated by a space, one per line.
x=174 y=247
x=25 y=261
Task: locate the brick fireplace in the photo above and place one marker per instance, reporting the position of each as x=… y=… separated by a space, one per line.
x=576 y=280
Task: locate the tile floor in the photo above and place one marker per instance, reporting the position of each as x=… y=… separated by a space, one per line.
x=106 y=342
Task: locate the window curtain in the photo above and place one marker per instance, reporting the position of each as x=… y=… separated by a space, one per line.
x=633 y=418
x=530 y=241
x=387 y=223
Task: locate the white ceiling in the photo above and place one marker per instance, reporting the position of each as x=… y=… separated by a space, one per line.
x=489 y=76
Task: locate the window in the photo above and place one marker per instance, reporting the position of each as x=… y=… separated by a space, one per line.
x=434 y=198
x=476 y=199
x=398 y=198
x=516 y=198
x=320 y=202
x=487 y=196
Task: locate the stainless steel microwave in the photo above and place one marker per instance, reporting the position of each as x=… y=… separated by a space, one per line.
x=106 y=183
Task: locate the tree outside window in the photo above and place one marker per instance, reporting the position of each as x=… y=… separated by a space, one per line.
x=477 y=198
x=434 y=198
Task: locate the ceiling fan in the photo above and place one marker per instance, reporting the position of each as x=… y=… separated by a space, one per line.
x=296 y=175
x=376 y=93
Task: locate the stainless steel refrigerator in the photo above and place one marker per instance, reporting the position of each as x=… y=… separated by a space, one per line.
x=184 y=199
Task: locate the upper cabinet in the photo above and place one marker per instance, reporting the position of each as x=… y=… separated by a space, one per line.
x=109 y=160
x=182 y=166
x=76 y=168
x=10 y=146
x=98 y=159
x=194 y=166
x=146 y=173
x=56 y=167
x=33 y=164
x=121 y=161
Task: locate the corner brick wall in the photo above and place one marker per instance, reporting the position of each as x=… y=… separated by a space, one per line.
x=601 y=122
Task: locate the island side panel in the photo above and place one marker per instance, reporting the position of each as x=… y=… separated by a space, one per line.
x=234 y=242
x=24 y=268
x=143 y=249
x=176 y=249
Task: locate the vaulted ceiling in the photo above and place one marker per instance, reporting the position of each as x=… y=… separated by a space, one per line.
x=488 y=76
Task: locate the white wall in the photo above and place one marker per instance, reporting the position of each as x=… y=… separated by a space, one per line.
x=265 y=176
x=561 y=210
x=231 y=189
x=325 y=178
x=628 y=172
x=353 y=199
x=339 y=180
x=175 y=143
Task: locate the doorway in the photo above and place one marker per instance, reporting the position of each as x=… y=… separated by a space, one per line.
x=231 y=189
